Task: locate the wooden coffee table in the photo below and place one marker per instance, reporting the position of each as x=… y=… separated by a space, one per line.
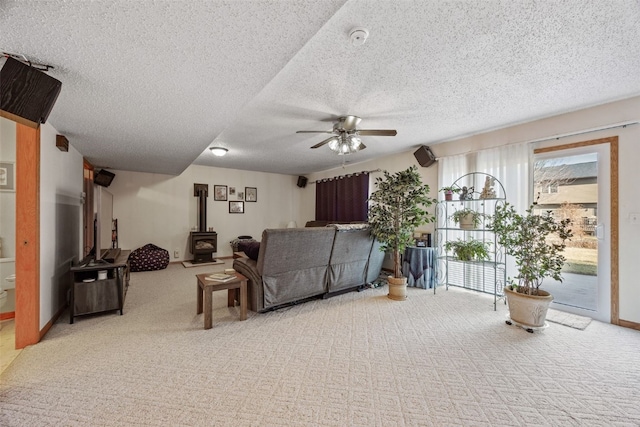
x=207 y=287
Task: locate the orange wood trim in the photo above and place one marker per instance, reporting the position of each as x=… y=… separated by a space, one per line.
x=576 y=145
x=628 y=324
x=27 y=236
x=615 y=213
x=615 y=233
x=8 y=315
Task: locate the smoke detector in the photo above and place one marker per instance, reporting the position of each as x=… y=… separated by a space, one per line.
x=358 y=36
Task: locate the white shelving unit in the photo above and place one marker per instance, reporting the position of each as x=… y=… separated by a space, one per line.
x=482 y=193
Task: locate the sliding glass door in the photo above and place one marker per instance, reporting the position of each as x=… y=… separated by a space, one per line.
x=575 y=183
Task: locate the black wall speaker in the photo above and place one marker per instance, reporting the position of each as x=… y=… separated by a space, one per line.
x=424 y=156
x=103 y=178
x=27 y=95
x=302 y=181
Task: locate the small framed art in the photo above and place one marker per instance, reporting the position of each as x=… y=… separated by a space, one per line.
x=236 y=207
x=220 y=193
x=250 y=194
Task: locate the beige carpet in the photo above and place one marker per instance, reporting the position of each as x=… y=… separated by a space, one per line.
x=358 y=359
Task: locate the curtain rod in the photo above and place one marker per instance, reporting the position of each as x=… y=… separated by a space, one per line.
x=557 y=136
x=345 y=176
x=582 y=132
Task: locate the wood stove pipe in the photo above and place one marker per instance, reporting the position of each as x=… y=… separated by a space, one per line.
x=201 y=191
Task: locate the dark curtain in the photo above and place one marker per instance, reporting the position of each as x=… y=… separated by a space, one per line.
x=343 y=199
x=352 y=193
x=326 y=202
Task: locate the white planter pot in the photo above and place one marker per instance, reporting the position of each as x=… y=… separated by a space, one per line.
x=397 y=288
x=466 y=222
x=528 y=310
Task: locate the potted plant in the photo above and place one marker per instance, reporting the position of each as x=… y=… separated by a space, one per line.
x=398 y=207
x=467 y=218
x=448 y=192
x=536 y=241
x=468 y=250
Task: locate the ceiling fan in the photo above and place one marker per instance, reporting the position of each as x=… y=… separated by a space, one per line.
x=346 y=136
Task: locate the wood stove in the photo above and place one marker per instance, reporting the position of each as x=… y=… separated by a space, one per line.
x=203 y=243
x=203 y=246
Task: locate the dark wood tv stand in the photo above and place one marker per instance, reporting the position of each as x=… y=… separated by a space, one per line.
x=91 y=295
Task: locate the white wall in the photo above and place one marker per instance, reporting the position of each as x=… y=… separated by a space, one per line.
x=161 y=209
x=8 y=198
x=60 y=220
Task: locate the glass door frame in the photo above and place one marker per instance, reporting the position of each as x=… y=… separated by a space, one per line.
x=614 y=213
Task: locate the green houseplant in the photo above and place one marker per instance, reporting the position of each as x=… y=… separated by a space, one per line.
x=536 y=241
x=467 y=218
x=398 y=207
x=468 y=250
x=448 y=192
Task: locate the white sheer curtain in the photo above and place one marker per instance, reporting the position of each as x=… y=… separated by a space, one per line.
x=511 y=165
x=451 y=168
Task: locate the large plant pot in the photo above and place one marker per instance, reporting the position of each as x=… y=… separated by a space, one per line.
x=397 y=288
x=528 y=310
x=466 y=222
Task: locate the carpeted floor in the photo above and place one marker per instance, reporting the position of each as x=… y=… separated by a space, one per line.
x=359 y=359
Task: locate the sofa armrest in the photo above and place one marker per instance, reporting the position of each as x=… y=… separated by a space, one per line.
x=247 y=267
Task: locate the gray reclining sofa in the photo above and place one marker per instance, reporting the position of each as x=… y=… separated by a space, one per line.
x=298 y=263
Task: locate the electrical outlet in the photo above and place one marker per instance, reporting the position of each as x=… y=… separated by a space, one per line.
x=634 y=218
x=176 y=253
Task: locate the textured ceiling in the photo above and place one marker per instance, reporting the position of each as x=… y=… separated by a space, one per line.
x=150 y=85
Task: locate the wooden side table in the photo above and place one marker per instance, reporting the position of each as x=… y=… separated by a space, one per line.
x=206 y=288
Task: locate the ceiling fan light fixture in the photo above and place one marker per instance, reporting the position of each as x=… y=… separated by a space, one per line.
x=345 y=144
x=218 y=151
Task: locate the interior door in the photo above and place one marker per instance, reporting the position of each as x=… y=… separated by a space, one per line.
x=575 y=183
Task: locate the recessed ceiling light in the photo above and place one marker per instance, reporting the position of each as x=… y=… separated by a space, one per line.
x=358 y=36
x=218 y=151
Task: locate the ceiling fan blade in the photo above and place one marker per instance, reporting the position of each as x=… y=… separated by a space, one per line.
x=326 y=141
x=377 y=132
x=314 y=131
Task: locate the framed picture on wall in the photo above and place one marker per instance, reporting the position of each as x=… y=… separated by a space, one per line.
x=220 y=193
x=240 y=195
x=236 y=207
x=232 y=191
x=250 y=194
x=7 y=176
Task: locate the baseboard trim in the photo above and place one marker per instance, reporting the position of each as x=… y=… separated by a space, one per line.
x=628 y=324
x=53 y=320
x=8 y=315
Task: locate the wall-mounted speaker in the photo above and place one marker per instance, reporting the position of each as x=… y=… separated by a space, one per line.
x=424 y=156
x=27 y=94
x=103 y=178
x=302 y=181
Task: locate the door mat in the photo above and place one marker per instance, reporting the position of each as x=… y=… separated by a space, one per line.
x=189 y=264
x=568 y=319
